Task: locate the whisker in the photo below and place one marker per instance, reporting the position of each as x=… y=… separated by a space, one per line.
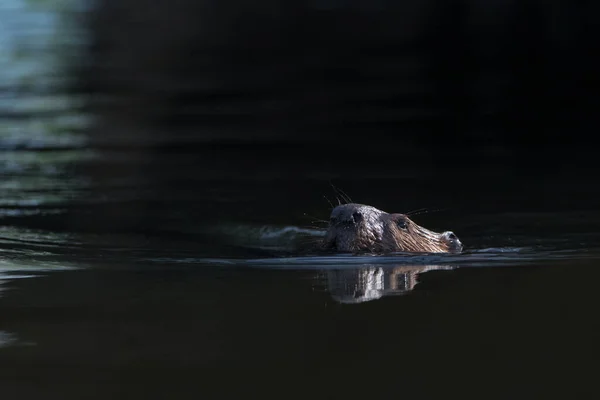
x=409 y=213
x=339 y=191
x=315 y=219
x=424 y=211
x=320 y=228
x=346 y=198
x=329 y=201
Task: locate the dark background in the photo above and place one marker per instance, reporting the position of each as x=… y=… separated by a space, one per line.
x=437 y=76
x=459 y=96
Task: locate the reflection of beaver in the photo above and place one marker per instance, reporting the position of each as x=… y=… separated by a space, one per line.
x=361 y=228
x=372 y=282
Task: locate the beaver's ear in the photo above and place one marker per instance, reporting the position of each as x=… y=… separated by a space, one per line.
x=452 y=241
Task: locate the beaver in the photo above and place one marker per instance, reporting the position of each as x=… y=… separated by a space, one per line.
x=359 y=228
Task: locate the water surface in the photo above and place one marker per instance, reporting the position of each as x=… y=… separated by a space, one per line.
x=132 y=271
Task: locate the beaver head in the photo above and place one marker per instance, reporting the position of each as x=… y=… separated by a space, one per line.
x=361 y=228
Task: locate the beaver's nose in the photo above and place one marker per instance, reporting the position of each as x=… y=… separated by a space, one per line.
x=347 y=214
x=347 y=217
x=356 y=217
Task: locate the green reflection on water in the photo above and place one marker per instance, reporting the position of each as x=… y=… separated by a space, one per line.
x=40 y=42
x=42 y=123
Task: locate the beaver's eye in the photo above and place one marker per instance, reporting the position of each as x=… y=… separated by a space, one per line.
x=402 y=224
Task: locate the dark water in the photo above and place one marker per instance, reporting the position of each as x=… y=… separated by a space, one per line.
x=174 y=273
